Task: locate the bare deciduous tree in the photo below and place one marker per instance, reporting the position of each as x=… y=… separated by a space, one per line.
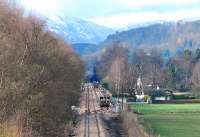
x=40 y=75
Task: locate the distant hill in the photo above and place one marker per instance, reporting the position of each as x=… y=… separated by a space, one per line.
x=76 y=30
x=88 y=53
x=85 y=49
x=88 y=39
x=168 y=35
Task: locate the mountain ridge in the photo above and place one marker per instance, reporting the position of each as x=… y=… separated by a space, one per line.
x=85 y=40
x=75 y=30
x=168 y=35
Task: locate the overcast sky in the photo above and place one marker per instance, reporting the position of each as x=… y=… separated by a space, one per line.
x=117 y=13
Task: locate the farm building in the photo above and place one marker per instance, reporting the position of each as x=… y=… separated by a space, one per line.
x=160 y=95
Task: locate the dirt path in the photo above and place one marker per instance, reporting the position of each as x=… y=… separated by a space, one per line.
x=94 y=121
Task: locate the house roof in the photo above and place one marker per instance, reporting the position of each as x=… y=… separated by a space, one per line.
x=160 y=92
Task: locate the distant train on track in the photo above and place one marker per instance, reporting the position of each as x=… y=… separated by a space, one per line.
x=104 y=95
x=104 y=100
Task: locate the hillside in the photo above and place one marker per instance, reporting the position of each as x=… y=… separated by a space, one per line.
x=172 y=36
x=76 y=30
x=84 y=49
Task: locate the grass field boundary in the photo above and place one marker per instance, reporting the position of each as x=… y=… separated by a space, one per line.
x=169 y=120
x=131 y=125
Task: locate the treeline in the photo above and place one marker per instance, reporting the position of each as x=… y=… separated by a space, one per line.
x=120 y=66
x=40 y=76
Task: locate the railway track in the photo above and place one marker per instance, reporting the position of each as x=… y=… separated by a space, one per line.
x=87 y=118
x=94 y=102
x=92 y=126
x=96 y=121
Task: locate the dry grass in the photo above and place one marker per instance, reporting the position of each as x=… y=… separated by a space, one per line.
x=131 y=125
x=14 y=128
x=6 y=131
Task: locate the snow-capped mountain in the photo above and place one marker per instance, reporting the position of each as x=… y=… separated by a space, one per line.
x=76 y=30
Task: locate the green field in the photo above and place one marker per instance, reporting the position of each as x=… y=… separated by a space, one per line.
x=170 y=120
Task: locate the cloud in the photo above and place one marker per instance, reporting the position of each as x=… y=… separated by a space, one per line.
x=124 y=20
x=40 y=5
x=143 y=3
x=44 y=7
x=76 y=8
x=117 y=13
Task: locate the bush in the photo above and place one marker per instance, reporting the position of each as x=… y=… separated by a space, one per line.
x=177 y=97
x=105 y=85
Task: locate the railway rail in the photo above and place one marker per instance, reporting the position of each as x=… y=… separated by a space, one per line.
x=92 y=128
x=95 y=121
x=95 y=111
